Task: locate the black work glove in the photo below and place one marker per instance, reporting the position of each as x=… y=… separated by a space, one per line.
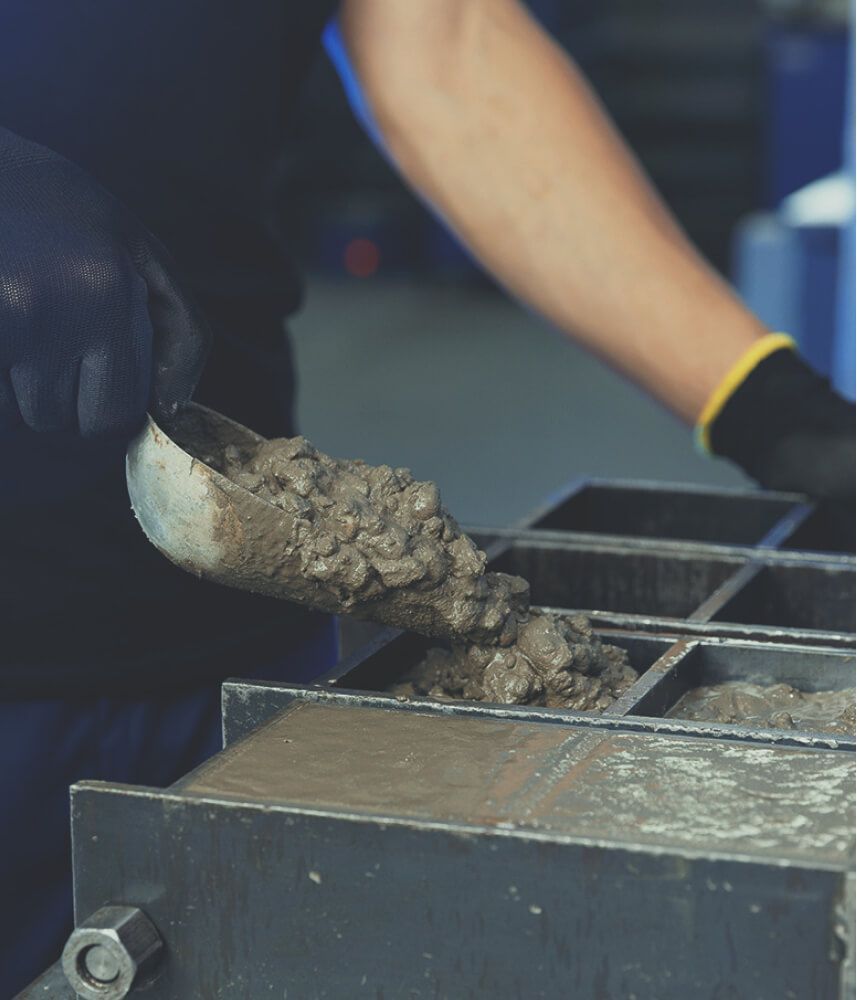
x=93 y=327
x=786 y=427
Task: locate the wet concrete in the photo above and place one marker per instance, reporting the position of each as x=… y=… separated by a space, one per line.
x=368 y=541
x=555 y=662
x=774 y=706
x=373 y=542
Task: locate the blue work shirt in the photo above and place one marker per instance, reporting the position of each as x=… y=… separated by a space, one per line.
x=178 y=108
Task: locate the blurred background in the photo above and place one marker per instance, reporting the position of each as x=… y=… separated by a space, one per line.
x=737 y=111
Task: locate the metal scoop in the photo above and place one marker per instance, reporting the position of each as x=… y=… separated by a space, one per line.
x=199 y=519
x=207 y=524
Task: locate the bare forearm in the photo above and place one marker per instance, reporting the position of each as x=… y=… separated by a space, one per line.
x=495 y=126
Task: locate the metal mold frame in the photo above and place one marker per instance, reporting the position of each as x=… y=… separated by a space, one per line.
x=729 y=574
x=681 y=511
x=692 y=663
x=263 y=891
x=359 y=681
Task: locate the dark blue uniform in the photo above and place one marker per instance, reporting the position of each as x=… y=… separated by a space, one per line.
x=110 y=658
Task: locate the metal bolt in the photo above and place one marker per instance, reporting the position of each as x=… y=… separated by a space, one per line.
x=110 y=952
x=101 y=964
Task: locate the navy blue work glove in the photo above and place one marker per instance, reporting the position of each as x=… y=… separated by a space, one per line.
x=93 y=327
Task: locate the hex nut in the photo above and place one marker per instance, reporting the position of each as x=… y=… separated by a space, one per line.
x=110 y=951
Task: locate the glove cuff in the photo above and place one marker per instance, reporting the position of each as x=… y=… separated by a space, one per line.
x=735 y=378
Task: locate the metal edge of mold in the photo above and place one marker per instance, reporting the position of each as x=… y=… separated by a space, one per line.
x=675 y=627
x=556 y=497
x=161 y=827
x=844 y=936
x=500 y=540
x=724 y=593
x=247 y=706
x=770 y=538
x=602 y=620
x=675 y=662
x=764 y=567
x=184 y=794
x=231 y=688
x=666 y=662
x=696 y=489
x=787 y=525
x=381 y=642
x=176 y=797
x=50 y=985
x=171 y=799
x=748 y=563
x=579 y=483
x=505 y=538
x=650 y=677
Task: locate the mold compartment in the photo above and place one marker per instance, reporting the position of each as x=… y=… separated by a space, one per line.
x=657 y=512
x=704 y=664
x=387 y=665
x=628 y=581
x=790 y=596
x=821 y=533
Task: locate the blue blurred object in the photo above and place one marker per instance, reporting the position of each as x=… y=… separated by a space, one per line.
x=806 y=70
x=334 y=46
x=844 y=339
x=794 y=267
x=789 y=270
x=843 y=361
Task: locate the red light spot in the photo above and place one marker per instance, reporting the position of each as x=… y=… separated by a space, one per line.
x=362 y=258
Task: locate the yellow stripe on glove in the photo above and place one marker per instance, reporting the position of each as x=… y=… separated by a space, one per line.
x=736 y=375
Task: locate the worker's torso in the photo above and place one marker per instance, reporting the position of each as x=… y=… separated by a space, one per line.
x=178 y=107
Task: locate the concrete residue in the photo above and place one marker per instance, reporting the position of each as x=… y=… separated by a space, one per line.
x=774 y=706
x=375 y=543
x=556 y=662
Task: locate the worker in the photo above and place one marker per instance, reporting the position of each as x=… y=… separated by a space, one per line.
x=136 y=149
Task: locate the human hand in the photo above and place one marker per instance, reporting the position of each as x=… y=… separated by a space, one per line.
x=787 y=428
x=94 y=329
